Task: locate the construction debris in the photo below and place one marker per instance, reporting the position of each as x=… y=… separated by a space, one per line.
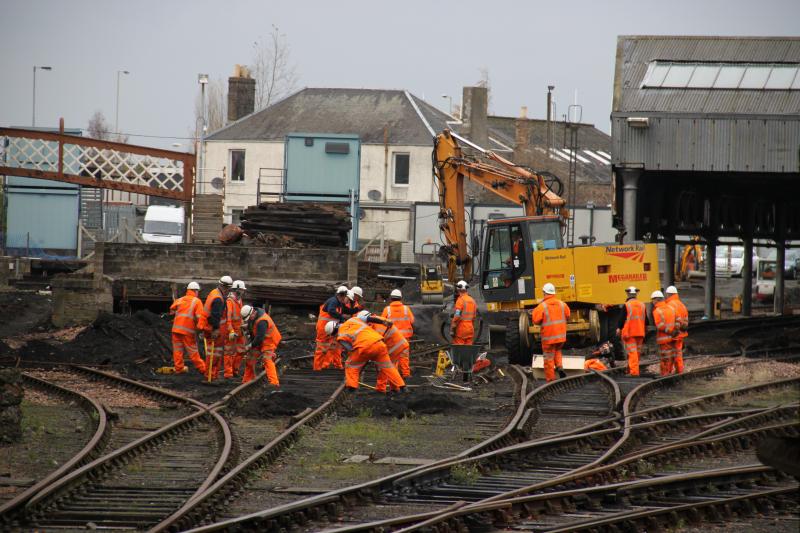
x=313 y=223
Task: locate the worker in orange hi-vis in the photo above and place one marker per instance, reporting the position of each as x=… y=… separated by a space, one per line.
x=234 y=345
x=189 y=320
x=328 y=352
x=356 y=301
x=217 y=323
x=552 y=314
x=396 y=344
x=664 y=319
x=364 y=344
x=600 y=358
x=681 y=324
x=632 y=329
x=399 y=314
x=265 y=338
x=462 y=326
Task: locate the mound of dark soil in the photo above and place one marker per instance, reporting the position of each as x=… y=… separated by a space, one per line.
x=275 y=403
x=24 y=312
x=399 y=405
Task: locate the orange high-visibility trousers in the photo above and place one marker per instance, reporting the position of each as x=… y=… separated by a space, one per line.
x=465 y=333
x=665 y=355
x=186 y=344
x=401 y=363
x=327 y=352
x=633 y=347
x=267 y=356
x=230 y=356
x=552 y=359
x=378 y=354
x=239 y=355
x=677 y=355
x=219 y=356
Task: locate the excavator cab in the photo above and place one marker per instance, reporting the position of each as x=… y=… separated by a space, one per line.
x=507 y=261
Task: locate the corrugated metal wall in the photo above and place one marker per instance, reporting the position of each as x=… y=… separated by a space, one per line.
x=709 y=144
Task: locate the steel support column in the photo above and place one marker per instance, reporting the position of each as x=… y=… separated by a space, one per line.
x=780 y=259
x=630 y=190
x=668 y=276
x=711 y=273
x=747 y=278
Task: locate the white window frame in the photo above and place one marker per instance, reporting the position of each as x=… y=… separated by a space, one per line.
x=236 y=208
x=230 y=165
x=394 y=169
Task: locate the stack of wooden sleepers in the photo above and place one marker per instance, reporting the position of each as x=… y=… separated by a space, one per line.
x=312 y=223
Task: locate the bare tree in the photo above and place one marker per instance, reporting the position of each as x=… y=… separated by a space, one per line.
x=98 y=127
x=273 y=70
x=216 y=107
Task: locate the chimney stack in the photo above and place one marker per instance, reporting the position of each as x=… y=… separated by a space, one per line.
x=241 y=93
x=523 y=112
x=474 y=115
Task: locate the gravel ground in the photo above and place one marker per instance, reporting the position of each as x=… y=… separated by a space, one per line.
x=106 y=393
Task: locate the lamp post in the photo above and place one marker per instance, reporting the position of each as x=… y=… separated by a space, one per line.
x=116 y=120
x=202 y=79
x=33 y=119
x=450 y=103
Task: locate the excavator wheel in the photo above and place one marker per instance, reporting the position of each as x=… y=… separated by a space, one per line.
x=518 y=340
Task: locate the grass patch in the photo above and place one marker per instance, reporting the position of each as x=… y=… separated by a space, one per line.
x=465 y=474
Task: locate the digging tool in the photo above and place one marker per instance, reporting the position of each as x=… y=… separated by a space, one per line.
x=209 y=358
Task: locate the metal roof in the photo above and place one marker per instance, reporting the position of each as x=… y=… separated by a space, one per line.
x=635 y=53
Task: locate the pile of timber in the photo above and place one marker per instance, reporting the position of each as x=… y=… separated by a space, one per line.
x=301 y=295
x=311 y=223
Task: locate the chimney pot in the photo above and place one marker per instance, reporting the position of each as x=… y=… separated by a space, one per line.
x=523 y=112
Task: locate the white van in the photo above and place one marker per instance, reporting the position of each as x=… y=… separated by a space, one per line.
x=164 y=224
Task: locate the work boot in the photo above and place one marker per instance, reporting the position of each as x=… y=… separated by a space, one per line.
x=561 y=373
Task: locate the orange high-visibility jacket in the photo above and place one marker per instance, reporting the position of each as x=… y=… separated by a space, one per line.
x=635 y=319
x=272 y=337
x=664 y=318
x=395 y=341
x=401 y=316
x=552 y=314
x=234 y=310
x=681 y=315
x=355 y=334
x=223 y=320
x=465 y=310
x=594 y=364
x=188 y=314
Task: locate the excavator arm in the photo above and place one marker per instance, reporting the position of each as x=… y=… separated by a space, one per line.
x=496 y=174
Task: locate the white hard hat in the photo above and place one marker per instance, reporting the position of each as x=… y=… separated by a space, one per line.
x=239 y=284
x=672 y=289
x=396 y=294
x=631 y=290
x=657 y=294
x=247 y=310
x=351 y=296
x=549 y=288
x=330 y=327
x=363 y=315
x=341 y=289
x=358 y=292
x=193 y=286
x=462 y=284
x=226 y=280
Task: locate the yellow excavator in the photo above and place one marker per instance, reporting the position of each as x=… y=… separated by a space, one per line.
x=519 y=255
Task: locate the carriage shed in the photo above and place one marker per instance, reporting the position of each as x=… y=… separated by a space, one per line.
x=706 y=142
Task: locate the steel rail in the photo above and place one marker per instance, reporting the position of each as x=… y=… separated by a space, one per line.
x=100 y=435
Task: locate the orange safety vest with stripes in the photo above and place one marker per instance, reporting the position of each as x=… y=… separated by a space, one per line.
x=188 y=313
x=223 y=320
x=635 y=319
x=395 y=341
x=401 y=316
x=272 y=337
x=234 y=309
x=552 y=314
x=465 y=309
x=664 y=318
x=681 y=315
x=325 y=316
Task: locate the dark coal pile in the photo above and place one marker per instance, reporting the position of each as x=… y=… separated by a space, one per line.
x=24 y=312
x=399 y=405
x=133 y=344
x=275 y=403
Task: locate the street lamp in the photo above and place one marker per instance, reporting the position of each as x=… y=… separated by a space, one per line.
x=202 y=79
x=116 y=120
x=450 y=105
x=33 y=119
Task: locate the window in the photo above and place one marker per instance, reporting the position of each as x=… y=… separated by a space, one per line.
x=401 y=163
x=237 y=165
x=236 y=215
x=498 y=273
x=711 y=75
x=337 y=148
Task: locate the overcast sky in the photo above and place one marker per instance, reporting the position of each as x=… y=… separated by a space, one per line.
x=427 y=47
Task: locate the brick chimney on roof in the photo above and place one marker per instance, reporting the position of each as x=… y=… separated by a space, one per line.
x=241 y=93
x=474 y=115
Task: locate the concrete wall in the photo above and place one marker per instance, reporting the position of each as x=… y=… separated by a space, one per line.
x=206 y=262
x=78 y=300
